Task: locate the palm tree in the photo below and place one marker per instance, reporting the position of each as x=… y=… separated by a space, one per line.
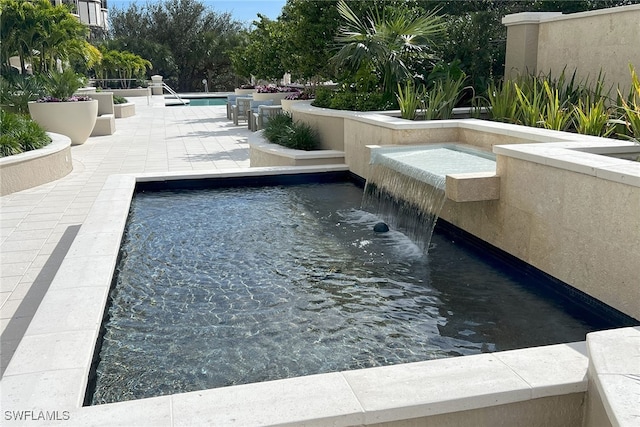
x=38 y=32
x=388 y=43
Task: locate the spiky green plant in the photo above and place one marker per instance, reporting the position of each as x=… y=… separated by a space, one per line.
x=631 y=107
x=593 y=118
x=62 y=85
x=409 y=99
x=555 y=114
x=17 y=90
x=530 y=101
x=440 y=100
x=502 y=101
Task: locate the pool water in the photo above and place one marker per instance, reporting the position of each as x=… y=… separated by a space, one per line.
x=199 y=102
x=241 y=285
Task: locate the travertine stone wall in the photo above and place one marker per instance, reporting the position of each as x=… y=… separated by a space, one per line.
x=580 y=229
x=604 y=40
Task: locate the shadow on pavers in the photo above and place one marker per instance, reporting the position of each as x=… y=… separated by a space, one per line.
x=20 y=321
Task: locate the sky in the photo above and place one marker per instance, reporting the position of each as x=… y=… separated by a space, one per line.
x=242 y=10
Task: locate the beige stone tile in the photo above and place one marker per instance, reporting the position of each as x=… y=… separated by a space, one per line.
x=58 y=389
x=154 y=412
x=53 y=352
x=550 y=370
x=429 y=388
x=315 y=400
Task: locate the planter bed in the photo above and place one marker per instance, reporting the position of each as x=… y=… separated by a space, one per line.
x=264 y=153
x=32 y=168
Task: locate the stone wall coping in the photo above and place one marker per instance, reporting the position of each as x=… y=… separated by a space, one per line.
x=523 y=18
x=581 y=157
x=615 y=370
x=542 y=17
x=564 y=150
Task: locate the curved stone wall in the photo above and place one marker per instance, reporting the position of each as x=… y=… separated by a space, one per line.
x=26 y=170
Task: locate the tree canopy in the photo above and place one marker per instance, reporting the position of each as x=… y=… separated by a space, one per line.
x=185 y=41
x=39 y=34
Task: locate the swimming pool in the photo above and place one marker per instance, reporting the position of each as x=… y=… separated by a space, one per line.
x=239 y=285
x=199 y=102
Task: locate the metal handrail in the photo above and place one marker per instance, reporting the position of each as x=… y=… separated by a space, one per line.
x=172 y=92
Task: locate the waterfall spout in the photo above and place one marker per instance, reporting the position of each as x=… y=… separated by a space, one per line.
x=406 y=185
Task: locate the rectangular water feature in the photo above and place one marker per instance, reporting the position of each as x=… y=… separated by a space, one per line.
x=431 y=163
x=239 y=285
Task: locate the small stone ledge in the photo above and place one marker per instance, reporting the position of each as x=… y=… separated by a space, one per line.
x=124 y=110
x=472 y=187
x=105 y=125
x=263 y=153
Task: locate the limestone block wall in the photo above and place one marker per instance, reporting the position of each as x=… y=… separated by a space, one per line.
x=604 y=40
x=330 y=126
x=580 y=229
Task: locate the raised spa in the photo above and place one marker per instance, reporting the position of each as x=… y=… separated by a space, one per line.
x=217 y=287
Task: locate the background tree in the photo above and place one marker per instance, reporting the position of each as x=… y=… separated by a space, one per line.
x=477 y=38
x=39 y=34
x=264 y=54
x=121 y=65
x=310 y=28
x=184 y=40
x=389 y=43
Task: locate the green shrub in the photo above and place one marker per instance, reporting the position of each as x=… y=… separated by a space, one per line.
x=275 y=129
x=323 y=97
x=281 y=130
x=63 y=85
x=18 y=133
x=352 y=100
x=301 y=136
x=117 y=99
x=17 y=90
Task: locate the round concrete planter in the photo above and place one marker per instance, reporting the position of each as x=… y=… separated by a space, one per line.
x=287 y=103
x=36 y=167
x=73 y=119
x=241 y=92
x=276 y=97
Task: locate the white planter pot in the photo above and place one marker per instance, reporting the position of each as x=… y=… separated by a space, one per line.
x=73 y=119
x=241 y=92
x=276 y=97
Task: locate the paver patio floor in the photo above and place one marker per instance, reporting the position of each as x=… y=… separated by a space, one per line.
x=38 y=225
